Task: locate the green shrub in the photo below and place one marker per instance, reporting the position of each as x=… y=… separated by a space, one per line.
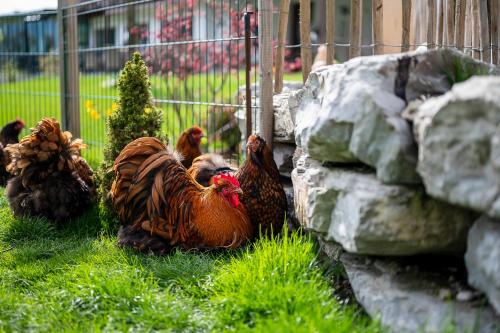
x=135 y=116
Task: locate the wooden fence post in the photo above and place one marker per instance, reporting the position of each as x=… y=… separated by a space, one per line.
x=459 y=39
x=330 y=31
x=484 y=28
x=476 y=33
x=468 y=27
x=449 y=39
x=68 y=66
x=378 y=26
x=355 y=35
x=305 y=38
x=266 y=70
x=494 y=16
x=405 y=38
x=431 y=23
x=280 y=51
x=439 y=23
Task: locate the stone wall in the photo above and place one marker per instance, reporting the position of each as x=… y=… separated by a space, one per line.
x=397 y=161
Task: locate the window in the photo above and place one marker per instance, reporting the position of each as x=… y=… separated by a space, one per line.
x=105 y=37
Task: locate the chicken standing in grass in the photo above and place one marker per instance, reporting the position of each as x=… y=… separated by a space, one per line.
x=8 y=135
x=161 y=206
x=49 y=177
x=188 y=145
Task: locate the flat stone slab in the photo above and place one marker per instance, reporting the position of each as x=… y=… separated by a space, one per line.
x=459 y=145
x=365 y=216
x=483 y=259
x=409 y=298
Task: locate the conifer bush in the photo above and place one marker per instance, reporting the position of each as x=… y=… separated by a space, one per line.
x=135 y=117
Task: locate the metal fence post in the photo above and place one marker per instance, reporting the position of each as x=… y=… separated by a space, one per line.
x=248 y=78
x=266 y=70
x=68 y=66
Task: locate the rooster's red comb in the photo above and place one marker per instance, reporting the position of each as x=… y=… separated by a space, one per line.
x=228 y=177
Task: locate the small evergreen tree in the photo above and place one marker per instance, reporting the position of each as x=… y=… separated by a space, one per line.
x=134 y=117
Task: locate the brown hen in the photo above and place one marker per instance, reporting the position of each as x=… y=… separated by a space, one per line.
x=161 y=206
x=263 y=193
x=10 y=132
x=50 y=178
x=188 y=145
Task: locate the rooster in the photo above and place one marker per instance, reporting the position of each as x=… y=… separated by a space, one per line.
x=50 y=178
x=8 y=135
x=206 y=166
x=263 y=194
x=188 y=145
x=161 y=206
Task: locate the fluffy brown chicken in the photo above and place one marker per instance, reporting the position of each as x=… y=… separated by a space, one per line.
x=8 y=135
x=161 y=206
x=263 y=193
x=188 y=145
x=50 y=178
x=206 y=166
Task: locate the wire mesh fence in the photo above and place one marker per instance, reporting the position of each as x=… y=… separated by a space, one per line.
x=29 y=72
x=195 y=51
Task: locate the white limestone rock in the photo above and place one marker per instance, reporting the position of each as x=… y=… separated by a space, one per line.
x=365 y=216
x=483 y=259
x=459 y=145
x=405 y=297
x=352 y=112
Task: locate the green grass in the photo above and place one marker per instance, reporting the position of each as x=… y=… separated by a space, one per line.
x=36 y=97
x=75 y=278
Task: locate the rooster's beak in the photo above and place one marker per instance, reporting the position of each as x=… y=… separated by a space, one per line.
x=239 y=191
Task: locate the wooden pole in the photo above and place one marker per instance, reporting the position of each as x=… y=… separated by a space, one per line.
x=68 y=66
x=431 y=23
x=330 y=31
x=468 y=27
x=494 y=16
x=459 y=24
x=305 y=38
x=439 y=22
x=355 y=35
x=405 y=38
x=266 y=70
x=378 y=26
x=476 y=33
x=484 y=28
x=280 y=51
x=450 y=23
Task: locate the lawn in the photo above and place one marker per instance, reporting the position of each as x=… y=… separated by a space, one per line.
x=75 y=278
x=35 y=97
